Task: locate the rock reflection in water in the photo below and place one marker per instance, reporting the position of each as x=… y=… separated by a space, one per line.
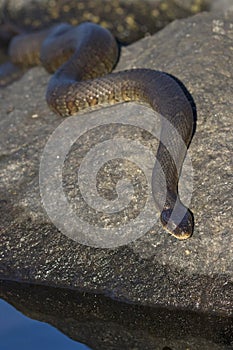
x=102 y=323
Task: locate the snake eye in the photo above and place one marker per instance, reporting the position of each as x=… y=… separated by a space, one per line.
x=165 y=216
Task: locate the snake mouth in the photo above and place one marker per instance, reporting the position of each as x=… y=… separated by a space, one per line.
x=177 y=224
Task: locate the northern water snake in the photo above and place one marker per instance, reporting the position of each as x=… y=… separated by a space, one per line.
x=82 y=58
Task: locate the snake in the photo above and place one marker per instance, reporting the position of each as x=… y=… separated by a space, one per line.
x=81 y=60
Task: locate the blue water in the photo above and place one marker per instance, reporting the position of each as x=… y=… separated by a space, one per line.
x=22 y=333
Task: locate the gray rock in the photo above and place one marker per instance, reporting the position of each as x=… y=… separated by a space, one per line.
x=221 y=5
x=156 y=269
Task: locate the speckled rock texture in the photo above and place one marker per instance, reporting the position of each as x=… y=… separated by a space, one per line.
x=157 y=269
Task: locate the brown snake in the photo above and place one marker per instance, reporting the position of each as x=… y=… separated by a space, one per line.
x=82 y=58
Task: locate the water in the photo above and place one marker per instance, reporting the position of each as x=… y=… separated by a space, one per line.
x=20 y=332
x=68 y=319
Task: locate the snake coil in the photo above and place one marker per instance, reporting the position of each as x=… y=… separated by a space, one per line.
x=82 y=58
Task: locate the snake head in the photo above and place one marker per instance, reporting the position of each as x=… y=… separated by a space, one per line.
x=178 y=223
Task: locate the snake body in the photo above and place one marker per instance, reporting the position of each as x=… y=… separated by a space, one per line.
x=82 y=58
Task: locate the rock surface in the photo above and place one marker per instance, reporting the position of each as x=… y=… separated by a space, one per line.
x=156 y=269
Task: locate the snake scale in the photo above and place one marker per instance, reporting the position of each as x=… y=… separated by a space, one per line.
x=82 y=59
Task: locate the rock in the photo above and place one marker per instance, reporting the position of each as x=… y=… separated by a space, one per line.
x=156 y=269
x=127 y=20
x=221 y=5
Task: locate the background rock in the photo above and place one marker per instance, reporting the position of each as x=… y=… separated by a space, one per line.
x=156 y=269
x=127 y=20
x=221 y=5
